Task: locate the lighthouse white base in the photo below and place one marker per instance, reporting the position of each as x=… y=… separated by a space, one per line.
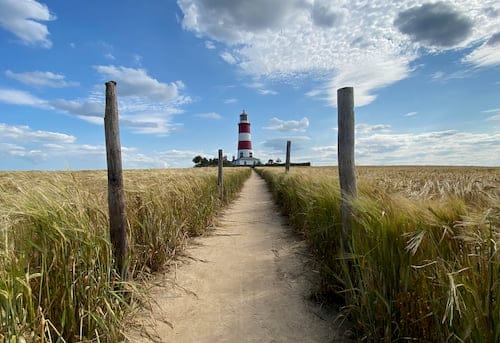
x=246 y=161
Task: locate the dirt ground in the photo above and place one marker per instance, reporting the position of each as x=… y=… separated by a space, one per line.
x=249 y=281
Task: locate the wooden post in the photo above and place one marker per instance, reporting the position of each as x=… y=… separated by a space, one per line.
x=287 y=162
x=116 y=199
x=345 y=147
x=219 y=176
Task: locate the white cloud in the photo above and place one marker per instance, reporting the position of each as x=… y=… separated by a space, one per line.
x=325 y=14
x=41 y=79
x=288 y=125
x=323 y=155
x=209 y=115
x=24 y=133
x=231 y=20
x=137 y=59
x=85 y=108
x=368 y=76
x=38 y=146
x=132 y=158
x=226 y=56
x=440 y=147
x=493 y=118
x=20 y=141
x=146 y=123
x=17 y=97
x=23 y=17
x=137 y=82
x=410 y=114
x=146 y=104
x=367 y=128
x=484 y=56
x=325 y=148
x=492 y=110
x=316 y=92
x=267 y=92
x=279 y=39
x=261 y=88
x=279 y=144
x=141 y=116
x=209 y=45
x=178 y=158
x=230 y=101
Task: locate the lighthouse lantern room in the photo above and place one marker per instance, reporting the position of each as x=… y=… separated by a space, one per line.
x=245 y=154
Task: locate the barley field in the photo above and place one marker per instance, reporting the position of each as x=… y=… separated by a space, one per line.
x=423 y=262
x=57 y=282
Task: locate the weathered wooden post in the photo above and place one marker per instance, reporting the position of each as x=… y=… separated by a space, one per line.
x=220 y=182
x=345 y=149
x=287 y=162
x=116 y=198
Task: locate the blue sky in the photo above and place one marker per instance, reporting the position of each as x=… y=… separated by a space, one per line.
x=426 y=77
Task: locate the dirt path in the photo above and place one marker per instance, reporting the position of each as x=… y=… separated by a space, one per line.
x=247 y=282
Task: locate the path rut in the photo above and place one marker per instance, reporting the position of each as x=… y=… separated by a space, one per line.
x=248 y=281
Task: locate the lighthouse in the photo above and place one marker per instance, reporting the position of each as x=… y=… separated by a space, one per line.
x=245 y=153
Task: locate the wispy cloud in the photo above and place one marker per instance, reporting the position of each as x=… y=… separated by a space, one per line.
x=109 y=56
x=39 y=146
x=367 y=128
x=493 y=110
x=288 y=125
x=493 y=118
x=23 y=133
x=261 y=88
x=487 y=55
x=228 y=57
x=439 y=147
x=18 y=97
x=267 y=92
x=279 y=144
x=209 y=45
x=410 y=114
x=209 y=115
x=230 y=101
x=85 y=108
x=41 y=79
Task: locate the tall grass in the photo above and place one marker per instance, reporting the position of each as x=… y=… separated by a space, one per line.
x=424 y=263
x=57 y=282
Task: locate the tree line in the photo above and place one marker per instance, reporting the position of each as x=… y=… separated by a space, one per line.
x=211 y=162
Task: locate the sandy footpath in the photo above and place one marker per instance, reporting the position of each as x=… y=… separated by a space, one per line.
x=248 y=281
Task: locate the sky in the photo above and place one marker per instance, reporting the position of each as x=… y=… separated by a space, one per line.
x=426 y=78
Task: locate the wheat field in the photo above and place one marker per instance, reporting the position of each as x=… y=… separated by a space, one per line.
x=57 y=281
x=423 y=263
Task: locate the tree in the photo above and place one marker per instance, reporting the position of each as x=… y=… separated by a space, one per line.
x=203 y=162
x=197 y=159
x=213 y=162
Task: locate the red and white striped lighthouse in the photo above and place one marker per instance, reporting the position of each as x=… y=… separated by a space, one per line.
x=244 y=137
x=245 y=154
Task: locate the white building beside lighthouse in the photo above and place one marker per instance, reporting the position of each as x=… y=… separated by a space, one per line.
x=245 y=153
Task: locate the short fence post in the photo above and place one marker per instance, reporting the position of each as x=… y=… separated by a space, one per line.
x=345 y=146
x=116 y=198
x=287 y=162
x=220 y=182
